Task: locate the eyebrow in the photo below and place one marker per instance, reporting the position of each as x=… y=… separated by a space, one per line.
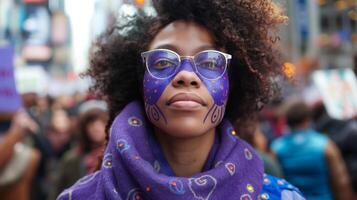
x=175 y=49
x=206 y=47
x=167 y=46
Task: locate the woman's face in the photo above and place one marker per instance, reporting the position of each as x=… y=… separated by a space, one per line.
x=96 y=131
x=185 y=104
x=60 y=121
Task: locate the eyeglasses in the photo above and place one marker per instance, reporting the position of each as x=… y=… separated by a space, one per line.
x=164 y=63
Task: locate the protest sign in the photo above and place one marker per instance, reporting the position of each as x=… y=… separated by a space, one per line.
x=32 y=79
x=10 y=100
x=338 y=89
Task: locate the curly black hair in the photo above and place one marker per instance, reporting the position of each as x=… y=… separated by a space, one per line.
x=246 y=29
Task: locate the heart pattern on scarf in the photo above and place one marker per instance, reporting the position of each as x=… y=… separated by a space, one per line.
x=202 y=187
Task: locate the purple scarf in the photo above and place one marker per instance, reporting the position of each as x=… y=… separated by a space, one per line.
x=134 y=167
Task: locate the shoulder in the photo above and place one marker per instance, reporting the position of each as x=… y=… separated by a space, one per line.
x=84 y=188
x=276 y=188
x=278 y=143
x=332 y=152
x=71 y=156
x=318 y=135
x=319 y=138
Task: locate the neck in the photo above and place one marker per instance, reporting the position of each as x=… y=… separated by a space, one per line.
x=304 y=125
x=186 y=156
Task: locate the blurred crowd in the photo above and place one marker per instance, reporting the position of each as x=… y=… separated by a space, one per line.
x=307 y=147
x=49 y=145
x=54 y=140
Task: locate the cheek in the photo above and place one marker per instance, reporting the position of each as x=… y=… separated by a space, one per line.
x=153 y=88
x=218 y=89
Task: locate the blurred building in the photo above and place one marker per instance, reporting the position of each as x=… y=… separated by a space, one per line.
x=38 y=30
x=338 y=38
x=54 y=37
x=57 y=34
x=323 y=29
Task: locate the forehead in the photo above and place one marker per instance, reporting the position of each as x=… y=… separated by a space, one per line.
x=186 y=38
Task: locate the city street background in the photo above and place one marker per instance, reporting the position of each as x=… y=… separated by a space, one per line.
x=45 y=46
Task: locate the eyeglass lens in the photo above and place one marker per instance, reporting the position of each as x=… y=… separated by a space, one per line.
x=163 y=64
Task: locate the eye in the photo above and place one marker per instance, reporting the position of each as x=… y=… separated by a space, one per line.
x=208 y=64
x=163 y=63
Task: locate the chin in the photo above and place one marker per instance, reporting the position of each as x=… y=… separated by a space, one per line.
x=185 y=128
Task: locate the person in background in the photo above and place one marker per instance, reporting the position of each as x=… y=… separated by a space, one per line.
x=83 y=158
x=53 y=141
x=272 y=120
x=344 y=134
x=18 y=162
x=310 y=160
x=252 y=133
x=59 y=132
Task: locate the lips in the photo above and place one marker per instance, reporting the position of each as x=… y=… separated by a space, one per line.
x=186 y=99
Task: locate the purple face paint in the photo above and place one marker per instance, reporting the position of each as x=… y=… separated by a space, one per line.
x=154 y=87
x=219 y=91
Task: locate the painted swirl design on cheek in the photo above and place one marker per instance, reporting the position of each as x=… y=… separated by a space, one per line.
x=154 y=113
x=219 y=91
x=217 y=113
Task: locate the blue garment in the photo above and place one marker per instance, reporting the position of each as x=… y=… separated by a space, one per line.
x=302 y=158
x=279 y=189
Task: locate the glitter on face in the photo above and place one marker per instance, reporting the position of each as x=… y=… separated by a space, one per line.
x=154 y=88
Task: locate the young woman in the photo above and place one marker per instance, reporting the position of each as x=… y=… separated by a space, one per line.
x=174 y=82
x=83 y=158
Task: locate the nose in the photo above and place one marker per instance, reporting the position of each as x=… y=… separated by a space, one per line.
x=186 y=76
